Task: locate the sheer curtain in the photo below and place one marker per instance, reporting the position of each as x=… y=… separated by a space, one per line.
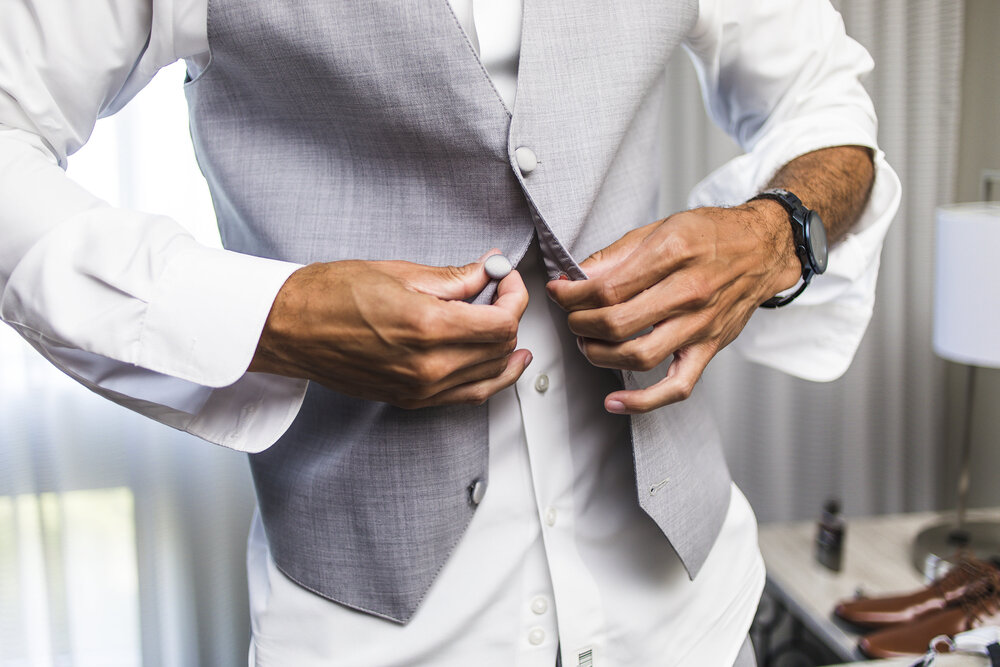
x=122 y=541
x=873 y=438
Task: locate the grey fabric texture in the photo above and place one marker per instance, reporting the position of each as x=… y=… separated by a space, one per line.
x=370 y=130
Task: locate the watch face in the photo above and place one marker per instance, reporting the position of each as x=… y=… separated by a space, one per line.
x=816 y=241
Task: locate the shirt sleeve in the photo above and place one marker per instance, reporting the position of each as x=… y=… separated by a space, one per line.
x=127 y=303
x=784 y=79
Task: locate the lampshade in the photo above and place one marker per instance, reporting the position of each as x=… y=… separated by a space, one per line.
x=967 y=284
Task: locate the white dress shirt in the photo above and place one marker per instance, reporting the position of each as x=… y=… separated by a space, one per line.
x=558 y=552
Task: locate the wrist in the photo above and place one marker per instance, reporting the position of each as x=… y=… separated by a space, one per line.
x=283 y=320
x=781 y=262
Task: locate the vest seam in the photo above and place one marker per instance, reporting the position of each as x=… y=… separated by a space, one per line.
x=482 y=68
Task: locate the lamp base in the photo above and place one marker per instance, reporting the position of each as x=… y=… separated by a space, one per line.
x=938 y=546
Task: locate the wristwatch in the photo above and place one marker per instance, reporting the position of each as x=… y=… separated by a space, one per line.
x=810 y=241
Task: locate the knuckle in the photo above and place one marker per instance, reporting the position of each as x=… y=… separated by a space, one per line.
x=477 y=395
x=453 y=272
x=643 y=357
x=647 y=361
x=695 y=291
x=429 y=370
x=509 y=346
x=508 y=328
x=617 y=326
x=701 y=290
x=423 y=324
x=678 y=246
x=685 y=387
x=609 y=293
x=499 y=366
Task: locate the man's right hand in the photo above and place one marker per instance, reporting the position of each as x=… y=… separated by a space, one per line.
x=396 y=332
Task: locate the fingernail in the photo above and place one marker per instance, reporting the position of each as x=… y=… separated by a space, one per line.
x=615 y=407
x=528 y=360
x=562 y=276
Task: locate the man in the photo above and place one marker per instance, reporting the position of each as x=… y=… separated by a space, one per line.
x=424 y=501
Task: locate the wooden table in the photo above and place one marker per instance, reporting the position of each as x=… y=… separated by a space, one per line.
x=876 y=560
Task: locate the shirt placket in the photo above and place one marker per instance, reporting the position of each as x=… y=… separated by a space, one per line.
x=546 y=412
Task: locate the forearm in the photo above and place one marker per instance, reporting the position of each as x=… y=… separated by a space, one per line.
x=836 y=182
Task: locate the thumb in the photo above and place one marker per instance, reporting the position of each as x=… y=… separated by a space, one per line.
x=450 y=282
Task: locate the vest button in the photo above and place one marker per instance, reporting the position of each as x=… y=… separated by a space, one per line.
x=542 y=383
x=477 y=491
x=497 y=267
x=526 y=160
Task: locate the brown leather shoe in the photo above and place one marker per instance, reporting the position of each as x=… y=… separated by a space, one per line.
x=879 y=612
x=980 y=605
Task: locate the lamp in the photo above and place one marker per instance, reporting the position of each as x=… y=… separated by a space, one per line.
x=967 y=331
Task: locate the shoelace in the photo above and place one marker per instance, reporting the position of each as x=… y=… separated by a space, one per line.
x=966 y=571
x=982 y=597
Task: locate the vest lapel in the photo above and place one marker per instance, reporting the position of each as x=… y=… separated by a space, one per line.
x=586 y=65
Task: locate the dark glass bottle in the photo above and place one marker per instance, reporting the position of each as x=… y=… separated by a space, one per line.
x=830 y=537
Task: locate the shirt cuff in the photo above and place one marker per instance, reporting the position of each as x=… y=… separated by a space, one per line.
x=248 y=415
x=131 y=306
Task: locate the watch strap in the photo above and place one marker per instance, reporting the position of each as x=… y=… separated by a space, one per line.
x=793 y=205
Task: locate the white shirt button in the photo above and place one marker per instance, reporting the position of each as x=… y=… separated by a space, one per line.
x=550 y=516
x=477 y=491
x=536 y=636
x=540 y=605
x=542 y=383
x=526 y=160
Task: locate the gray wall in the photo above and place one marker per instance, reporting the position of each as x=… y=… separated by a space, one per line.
x=979 y=149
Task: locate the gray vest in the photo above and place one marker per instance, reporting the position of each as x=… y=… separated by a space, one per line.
x=369 y=129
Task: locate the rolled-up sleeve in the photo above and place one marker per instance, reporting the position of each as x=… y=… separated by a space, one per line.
x=784 y=79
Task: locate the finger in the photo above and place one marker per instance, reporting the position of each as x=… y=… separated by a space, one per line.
x=464 y=322
x=624 y=321
x=484 y=370
x=682 y=375
x=600 y=262
x=573 y=295
x=650 y=349
x=449 y=282
x=436 y=366
x=477 y=393
x=512 y=295
x=681 y=294
x=615 y=284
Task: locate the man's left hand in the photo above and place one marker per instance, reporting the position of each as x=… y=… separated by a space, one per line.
x=684 y=286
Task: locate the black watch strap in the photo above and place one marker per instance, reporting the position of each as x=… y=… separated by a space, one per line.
x=796 y=210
